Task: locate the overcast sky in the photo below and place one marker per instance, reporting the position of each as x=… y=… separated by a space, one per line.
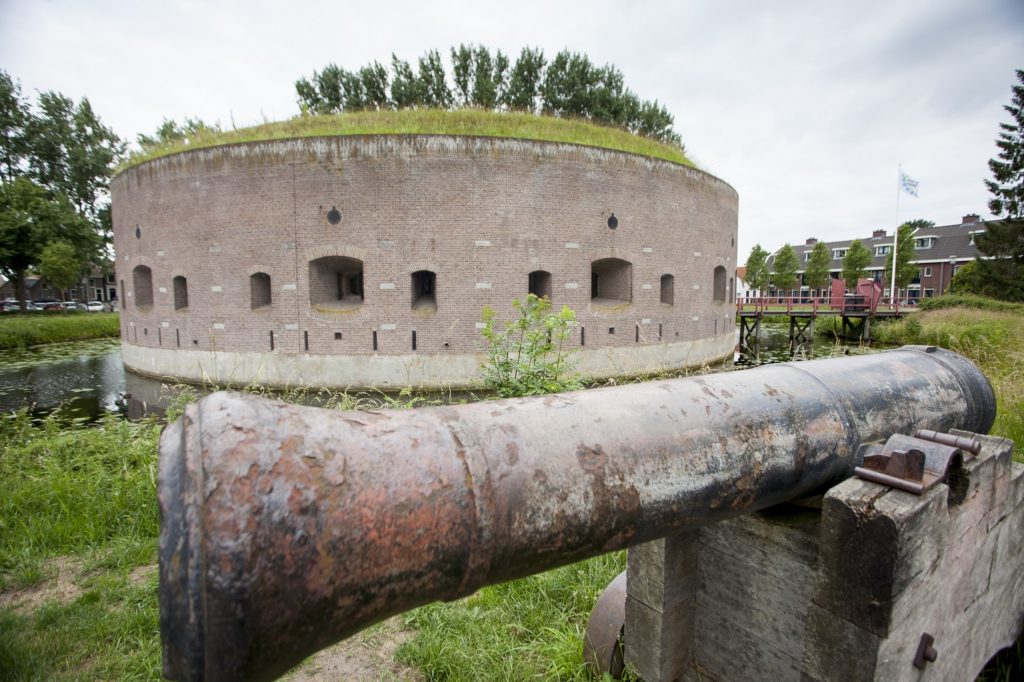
x=806 y=108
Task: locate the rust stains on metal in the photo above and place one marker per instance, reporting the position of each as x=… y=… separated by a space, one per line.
x=286 y=528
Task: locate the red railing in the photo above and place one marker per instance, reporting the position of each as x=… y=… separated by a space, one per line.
x=818 y=305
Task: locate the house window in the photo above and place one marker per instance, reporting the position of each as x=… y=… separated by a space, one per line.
x=928 y=271
x=883 y=250
x=924 y=242
x=838 y=253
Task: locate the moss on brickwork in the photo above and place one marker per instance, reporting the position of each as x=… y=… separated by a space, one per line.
x=432 y=122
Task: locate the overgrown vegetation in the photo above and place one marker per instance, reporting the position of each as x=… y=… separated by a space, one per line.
x=425 y=122
x=528 y=355
x=36 y=329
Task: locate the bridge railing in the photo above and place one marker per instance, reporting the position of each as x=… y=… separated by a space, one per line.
x=818 y=305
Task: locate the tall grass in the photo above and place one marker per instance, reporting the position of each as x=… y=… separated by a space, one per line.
x=432 y=122
x=992 y=339
x=36 y=329
x=87 y=497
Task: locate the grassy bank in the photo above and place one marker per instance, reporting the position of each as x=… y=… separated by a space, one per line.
x=432 y=122
x=36 y=329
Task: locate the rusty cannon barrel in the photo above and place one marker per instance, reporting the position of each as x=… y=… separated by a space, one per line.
x=286 y=528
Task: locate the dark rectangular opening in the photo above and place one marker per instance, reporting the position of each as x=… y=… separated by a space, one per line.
x=595 y=280
x=375 y=340
x=414 y=339
x=271 y=339
x=177 y=337
x=159 y=336
x=583 y=336
x=611 y=330
x=659 y=332
x=305 y=340
x=337 y=336
x=637 y=339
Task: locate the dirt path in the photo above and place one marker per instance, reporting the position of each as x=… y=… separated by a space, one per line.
x=369 y=656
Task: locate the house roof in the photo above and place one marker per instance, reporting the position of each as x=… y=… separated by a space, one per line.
x=950 y=242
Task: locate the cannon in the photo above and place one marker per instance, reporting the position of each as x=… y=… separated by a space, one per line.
x=286 y=528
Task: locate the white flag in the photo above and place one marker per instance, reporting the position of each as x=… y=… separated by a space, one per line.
x=908 y=184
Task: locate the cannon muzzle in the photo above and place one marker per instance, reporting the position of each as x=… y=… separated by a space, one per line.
x=286 y=528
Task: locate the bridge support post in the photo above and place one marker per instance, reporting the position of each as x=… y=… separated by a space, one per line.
x=875 y=584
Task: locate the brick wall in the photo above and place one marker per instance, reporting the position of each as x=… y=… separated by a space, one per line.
x=479 y=213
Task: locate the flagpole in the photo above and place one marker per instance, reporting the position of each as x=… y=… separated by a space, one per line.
x=896 y=237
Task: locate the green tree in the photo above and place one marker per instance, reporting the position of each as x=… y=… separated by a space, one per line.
x=14 y=117
x=462 y=70
x=817 y=274
x=436 y=92
x=855 y=264
x=905 y=269
x=31 y=217
x=171 y=132
x=406 y=88
x=757 y=269
x=784 y=275
x=374 y=79
x=60 y=266
x=999 y=273
x=525 y=80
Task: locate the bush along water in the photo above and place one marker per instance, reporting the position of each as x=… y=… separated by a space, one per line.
x=528 y=355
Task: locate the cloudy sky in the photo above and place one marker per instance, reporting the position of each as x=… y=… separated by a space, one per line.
x=806 y=108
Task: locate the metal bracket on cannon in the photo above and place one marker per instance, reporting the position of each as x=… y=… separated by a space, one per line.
x=919 y=462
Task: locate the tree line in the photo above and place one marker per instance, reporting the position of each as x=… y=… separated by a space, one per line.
x=569 y=85
x=56 y=161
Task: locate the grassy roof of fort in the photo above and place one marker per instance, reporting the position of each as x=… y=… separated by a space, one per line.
x=428 y=122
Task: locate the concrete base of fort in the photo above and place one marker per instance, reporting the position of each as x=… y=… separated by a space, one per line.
x=416 y=370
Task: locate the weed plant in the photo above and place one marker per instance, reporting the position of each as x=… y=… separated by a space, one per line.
x=35 y=329
x=528 y=355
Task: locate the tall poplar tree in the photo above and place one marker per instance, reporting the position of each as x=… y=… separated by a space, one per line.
x=784 y=275
x=855 y=264
x=757 y=269
x=905 y=270
x=817 y=274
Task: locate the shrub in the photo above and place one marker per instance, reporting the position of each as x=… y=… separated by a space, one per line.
x=527 y=355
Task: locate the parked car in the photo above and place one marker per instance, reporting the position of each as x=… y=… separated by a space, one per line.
x=95 y=307
x=49 y=304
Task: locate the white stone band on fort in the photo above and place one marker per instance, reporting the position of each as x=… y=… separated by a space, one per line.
x=366 y=261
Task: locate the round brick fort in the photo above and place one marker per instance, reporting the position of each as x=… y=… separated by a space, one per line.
x=359 y=261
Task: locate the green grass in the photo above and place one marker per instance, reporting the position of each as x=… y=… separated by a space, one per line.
x=432 y=122
x=35 y=329
x=525 y=629
x=83 y=498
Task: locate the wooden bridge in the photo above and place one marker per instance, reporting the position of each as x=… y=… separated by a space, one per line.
x=856 y=311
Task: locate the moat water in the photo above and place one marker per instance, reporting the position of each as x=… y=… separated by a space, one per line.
x=87 y=380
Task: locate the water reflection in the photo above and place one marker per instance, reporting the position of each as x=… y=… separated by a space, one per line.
x=773 y=345
x=86 y=378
